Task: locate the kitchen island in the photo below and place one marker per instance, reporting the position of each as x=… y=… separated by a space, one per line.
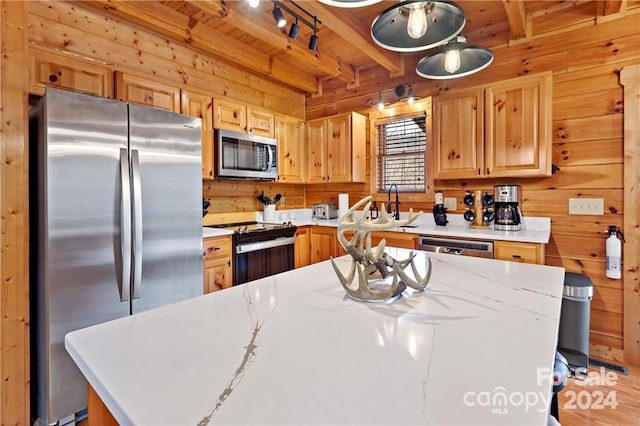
x=476 y=348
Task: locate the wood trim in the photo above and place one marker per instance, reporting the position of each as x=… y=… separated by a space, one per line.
x=14 y=260
x=630 y=79
x=517 y=17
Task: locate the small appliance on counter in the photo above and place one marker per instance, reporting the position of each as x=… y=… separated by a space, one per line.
x=508 y=216
x=480 y=209
x=324 y=211
x=439 y=210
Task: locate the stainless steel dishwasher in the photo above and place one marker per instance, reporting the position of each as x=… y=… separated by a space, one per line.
x=456 y=246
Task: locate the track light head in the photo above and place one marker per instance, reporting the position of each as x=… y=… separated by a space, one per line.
x=279 y=17
x=313 y=42
x=293 y=30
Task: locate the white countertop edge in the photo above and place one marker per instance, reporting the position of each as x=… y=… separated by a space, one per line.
x=215 y=232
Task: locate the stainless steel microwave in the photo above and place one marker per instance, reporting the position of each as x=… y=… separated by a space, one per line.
x=244 y=156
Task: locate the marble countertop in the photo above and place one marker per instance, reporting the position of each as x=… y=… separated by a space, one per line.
x=476 y=348
x=215 y=232
x=534 y=229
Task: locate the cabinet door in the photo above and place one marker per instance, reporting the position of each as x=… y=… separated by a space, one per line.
x=518 y=133
x=229 y=115
x=302 y=241
x=217 y=276
x=338 y=144
x=316 y=146
x=201 y=106
x=458 y=129
x=141 y=91
x=48 y=69
x=323 y=243
x=260 y=123
x=519 y=252
x=291 y=159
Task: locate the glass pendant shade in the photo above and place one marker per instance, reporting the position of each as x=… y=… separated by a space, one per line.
x=349 y=3
x=414 y=25
x=444 y=64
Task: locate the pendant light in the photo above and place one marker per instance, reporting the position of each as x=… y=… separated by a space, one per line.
x=414 y=25
x=454 y=59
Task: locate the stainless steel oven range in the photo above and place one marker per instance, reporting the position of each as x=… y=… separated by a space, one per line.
x=261 y=249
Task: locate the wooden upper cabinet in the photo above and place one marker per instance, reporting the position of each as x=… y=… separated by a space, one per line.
x=498 y=130
x=229 y=115
x=201 y=106
x=337 y=148
x=291 y=152
x=138 y=90
x=49 y=69
x=458 y=150
x=518 y=127
x=316 y=151
x=260 y=122
x=238 y=117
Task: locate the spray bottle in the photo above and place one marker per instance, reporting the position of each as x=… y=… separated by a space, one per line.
x=614 y=253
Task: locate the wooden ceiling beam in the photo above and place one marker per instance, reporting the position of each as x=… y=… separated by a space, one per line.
x=272 y=35
x=517 y=17
x=347 y=25
x=175 y=25
x=609 y=7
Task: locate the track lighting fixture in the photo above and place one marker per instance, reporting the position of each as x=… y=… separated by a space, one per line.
x=279 y=6
x=278 y=16
x=399 y=91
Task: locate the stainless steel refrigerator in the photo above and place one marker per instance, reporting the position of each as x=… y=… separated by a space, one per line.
x=116 y=226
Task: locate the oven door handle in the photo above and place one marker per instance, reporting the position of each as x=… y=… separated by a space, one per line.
x=261 y=245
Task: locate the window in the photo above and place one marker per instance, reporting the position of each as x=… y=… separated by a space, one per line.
x=401 y=154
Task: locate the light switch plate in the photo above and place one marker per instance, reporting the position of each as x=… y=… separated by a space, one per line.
x=586 y=206
x=451 y=203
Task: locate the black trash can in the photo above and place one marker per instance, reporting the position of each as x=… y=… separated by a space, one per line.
x=573 y=335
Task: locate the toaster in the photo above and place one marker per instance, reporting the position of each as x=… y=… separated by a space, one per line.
x=324 y=211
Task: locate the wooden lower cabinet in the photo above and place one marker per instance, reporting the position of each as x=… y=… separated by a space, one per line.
x=519 y=252
x=217 y=269
x=324 y=244
x=302 y=241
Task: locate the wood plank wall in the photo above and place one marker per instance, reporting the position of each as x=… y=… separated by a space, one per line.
x=585 y=59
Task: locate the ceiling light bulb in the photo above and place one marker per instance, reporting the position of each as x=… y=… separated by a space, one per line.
x=412 y=96
x=452 y=60
x=254 y=3
x=417 y=22
x=380 y=102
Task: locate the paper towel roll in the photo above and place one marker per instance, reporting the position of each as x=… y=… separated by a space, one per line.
x=343 y=204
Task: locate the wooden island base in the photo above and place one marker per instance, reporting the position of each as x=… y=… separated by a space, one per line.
x=99 y=414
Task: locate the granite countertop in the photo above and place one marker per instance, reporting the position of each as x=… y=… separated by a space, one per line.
x=295 y=350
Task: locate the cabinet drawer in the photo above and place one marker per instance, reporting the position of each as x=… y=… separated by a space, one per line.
x=216 y=248
x=519 y=252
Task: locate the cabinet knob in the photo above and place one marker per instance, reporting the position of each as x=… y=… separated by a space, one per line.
x=53 y=78
x=488 y=171
x=478 y=172
x=229 y=263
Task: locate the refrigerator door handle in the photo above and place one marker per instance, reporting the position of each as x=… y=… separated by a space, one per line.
x=125 y=225
x=137 y=224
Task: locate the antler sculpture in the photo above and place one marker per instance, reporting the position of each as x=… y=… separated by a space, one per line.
x=372 y=263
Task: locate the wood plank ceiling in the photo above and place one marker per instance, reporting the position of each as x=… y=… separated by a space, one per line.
x=249 y=38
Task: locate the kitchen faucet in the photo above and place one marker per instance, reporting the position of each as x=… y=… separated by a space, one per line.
x=395 y=213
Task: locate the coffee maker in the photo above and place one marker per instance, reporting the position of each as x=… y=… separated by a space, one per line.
x=508 y=216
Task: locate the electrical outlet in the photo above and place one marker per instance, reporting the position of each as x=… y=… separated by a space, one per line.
x=586 y=206
x=451 y=203
x=282 y=202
